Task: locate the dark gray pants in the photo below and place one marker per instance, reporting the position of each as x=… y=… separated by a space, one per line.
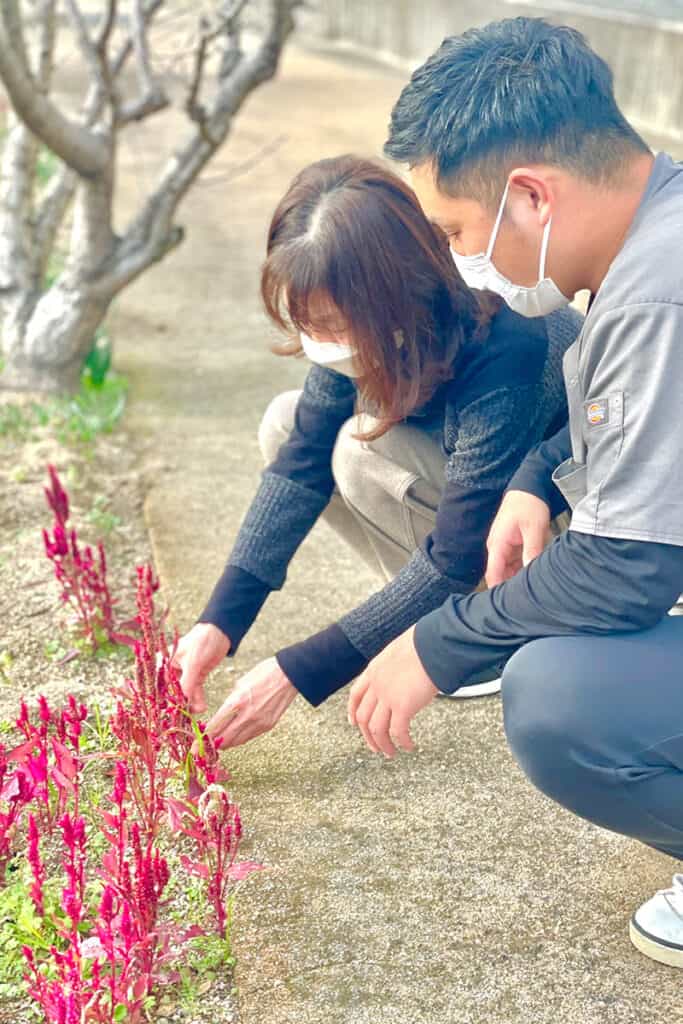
x=597 y=724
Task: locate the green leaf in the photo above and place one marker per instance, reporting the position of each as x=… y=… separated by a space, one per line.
x=98 y=360
x=120 y=1012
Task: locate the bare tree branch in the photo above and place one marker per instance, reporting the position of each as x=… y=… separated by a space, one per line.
x=92 y=235
x=71 y=141
x=149 y=10
x=240 y=168
x=55 y=203
x=16 y=178
x=153 y=97
x=60 y=192
x=18 y=170
x=93 y=57
x=192 y=105
x=46 y=44
x=152 y=234
x=15 y=31
x=227 y=23
x=108 y=22
x=141 y=46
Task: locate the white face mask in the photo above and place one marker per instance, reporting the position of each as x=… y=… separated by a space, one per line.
x=327 y=353
x=479 y=272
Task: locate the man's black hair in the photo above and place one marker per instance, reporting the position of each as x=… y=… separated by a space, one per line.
x=518 y=90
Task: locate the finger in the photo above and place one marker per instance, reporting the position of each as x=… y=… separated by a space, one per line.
x=399 y=728
x=192 y=686
x=497 y=566
x=356 y=694
x=534 y=542
x=378 y=727
x=363 y=715
x=228 y=710
x=239 y=730
x=197 y=703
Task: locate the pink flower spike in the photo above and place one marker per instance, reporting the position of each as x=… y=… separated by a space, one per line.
x=57 y=497
x=44 y=709
x=120 y=782
x=36 y=864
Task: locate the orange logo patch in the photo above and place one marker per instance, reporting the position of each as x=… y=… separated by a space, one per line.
x=597 y=413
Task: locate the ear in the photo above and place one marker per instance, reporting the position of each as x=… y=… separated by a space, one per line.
x=534 y=186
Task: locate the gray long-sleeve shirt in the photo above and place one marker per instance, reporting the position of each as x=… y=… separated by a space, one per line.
x=620 y=566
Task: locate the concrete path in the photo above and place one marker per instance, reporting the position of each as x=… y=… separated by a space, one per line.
x=434 y=889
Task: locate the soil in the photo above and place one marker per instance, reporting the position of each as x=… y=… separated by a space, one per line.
x=105 y=487
x=106 y=481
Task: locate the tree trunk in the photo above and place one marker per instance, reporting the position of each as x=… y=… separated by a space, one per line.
x=45 y=344
x=46 y=336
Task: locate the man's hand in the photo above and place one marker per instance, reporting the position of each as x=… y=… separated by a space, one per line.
x=255 y=705
x=388 y=695
x=197 y=654
x=518 y=534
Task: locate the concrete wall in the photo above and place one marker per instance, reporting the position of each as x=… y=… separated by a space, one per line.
x=646 y=54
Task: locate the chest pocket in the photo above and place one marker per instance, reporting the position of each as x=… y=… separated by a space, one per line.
x=596 y=419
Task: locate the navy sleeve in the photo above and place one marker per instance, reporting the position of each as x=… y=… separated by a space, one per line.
x=234 y=604
x=321 y=665
x=535 y=473
x=579 y=584
x=493 y=433
x=294 y=490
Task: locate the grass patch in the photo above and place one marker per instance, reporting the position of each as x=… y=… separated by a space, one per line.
x=74 y=419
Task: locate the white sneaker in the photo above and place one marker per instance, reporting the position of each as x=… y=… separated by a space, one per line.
x=486 y=689
x=656 y=928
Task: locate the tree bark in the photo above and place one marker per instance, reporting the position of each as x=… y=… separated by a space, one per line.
x=46 y=335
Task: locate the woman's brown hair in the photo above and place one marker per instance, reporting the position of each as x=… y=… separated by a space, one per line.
x=350 y=232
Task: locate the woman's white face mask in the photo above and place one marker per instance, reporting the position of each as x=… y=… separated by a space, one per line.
x=480 y=273
x=327 y=353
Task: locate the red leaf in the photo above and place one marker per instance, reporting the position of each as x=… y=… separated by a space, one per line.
x=60 y=780
x=176 y=812
x=110 y=862
x=130 y=624
x=195 y=788
x=242 y=870
x=141 y=986
x=66 y=762
x=22 y=752
x=11 y=788
x=194 y=867
x=122 y=638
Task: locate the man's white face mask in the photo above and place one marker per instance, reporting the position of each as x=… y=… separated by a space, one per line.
x=479 y=272
x=327 y=353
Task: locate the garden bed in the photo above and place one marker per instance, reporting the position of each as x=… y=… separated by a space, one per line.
x=38 y=656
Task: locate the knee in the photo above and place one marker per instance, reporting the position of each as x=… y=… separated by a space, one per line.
x=277 y=424
x=542 y=714
x=351 y=463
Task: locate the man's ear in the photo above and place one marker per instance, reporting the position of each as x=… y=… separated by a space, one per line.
x=535 y=190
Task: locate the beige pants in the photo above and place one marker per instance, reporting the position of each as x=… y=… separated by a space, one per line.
x=387 y=491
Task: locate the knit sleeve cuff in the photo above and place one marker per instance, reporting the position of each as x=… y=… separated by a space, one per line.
x=321 y=665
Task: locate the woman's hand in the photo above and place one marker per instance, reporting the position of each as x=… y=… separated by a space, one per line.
x=255 y=705
x=384 y=700
x=198 y=653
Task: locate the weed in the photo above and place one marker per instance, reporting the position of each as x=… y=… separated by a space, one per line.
x=75 y=419
x=100 y=517
x=6 y=660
